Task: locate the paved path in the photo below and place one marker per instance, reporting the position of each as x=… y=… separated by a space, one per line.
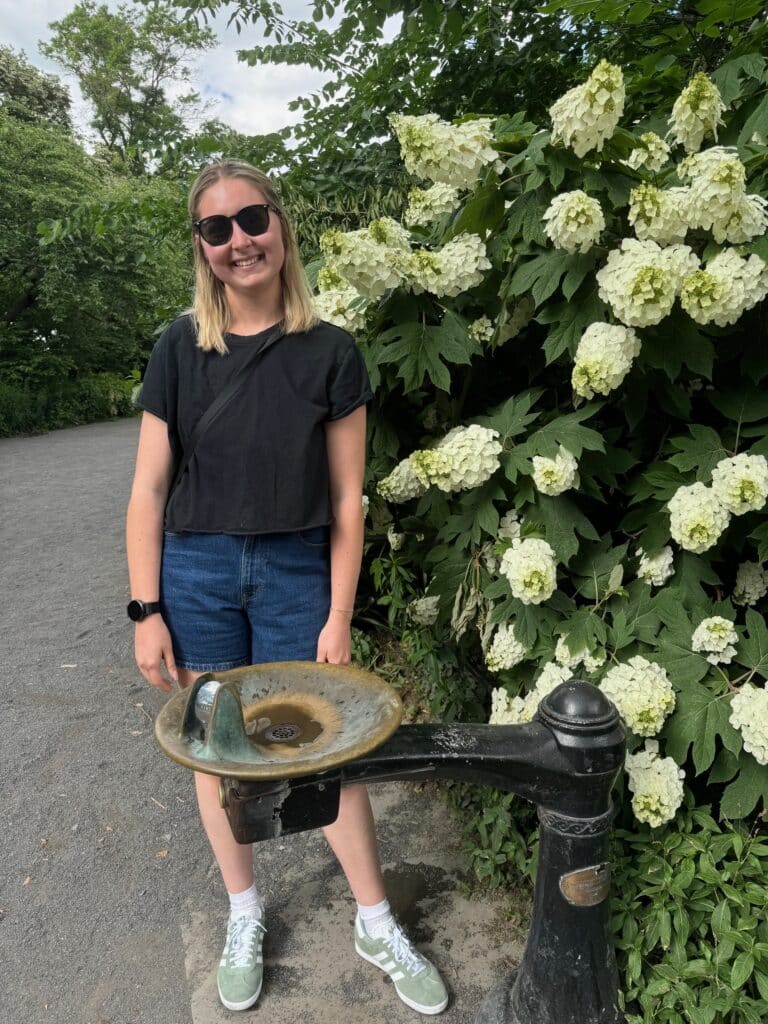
x=111 y=908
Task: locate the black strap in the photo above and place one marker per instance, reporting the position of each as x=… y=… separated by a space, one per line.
x=218 y=405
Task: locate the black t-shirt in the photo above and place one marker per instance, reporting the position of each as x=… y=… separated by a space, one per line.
x=261 y=466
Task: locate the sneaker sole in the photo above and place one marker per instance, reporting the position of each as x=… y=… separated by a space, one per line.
x=408 y=1002
x=246 y=1004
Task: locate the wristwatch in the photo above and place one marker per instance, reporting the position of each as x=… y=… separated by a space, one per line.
x=139 y=610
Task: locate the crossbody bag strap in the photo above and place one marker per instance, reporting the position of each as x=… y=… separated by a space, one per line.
x=218 y=405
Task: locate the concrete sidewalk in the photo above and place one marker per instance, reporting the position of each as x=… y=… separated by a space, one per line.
x=111 y=908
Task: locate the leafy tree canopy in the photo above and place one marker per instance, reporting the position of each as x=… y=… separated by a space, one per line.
x=125 y=62
x=30 y=94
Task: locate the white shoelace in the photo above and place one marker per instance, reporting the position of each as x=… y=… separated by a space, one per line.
x=403 y=951
x=241 y=937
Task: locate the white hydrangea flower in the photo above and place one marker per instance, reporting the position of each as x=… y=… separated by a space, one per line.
x=749 y=714
x=702 y=164
x=573 y=221
x=729 y=286
x=366 y=505
x=428 y=205
x=553 y=476
x=588 y=114
x=550 y=677
x=509 y=526
x=751 y=583
x=466 y=457
x=660 y=215
x=433 y=467
x=395 y=539
x=696 y=517
x=718 y=201
x=592 y=661
x=747 y=219
x=506 y=710
x=531 y=568
x=444 y=152
x=657 y=785
x=423 y=610
x=603 y=358
x=454 y=269
x=741 y=483
x=641 y=279
x=481 y=329
x=715 y=636
x=655 y=568
x=697 y=112
x=652 y=153
x=367 y=263
x=402 y=484
x=642 y=693
x=505 y=651
x=344 y=307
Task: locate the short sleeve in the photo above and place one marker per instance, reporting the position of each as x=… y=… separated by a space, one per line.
x=153 y=396
x=350 y=387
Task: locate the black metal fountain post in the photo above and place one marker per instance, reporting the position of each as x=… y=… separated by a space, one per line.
x=565 y=761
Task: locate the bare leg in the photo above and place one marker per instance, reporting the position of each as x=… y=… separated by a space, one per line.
x=235 y=859
x=352 y=837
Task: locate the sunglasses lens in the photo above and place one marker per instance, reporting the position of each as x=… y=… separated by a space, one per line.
x=254 y=220
x=216 y=230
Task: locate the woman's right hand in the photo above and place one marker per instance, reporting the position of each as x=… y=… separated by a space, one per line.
x=153 y=646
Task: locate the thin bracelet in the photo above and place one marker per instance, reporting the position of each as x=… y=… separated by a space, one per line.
x=344 y=611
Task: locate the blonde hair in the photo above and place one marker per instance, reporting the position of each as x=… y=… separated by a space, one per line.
x=209 y=309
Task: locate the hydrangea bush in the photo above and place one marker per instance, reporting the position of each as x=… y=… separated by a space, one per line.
x=567 y=337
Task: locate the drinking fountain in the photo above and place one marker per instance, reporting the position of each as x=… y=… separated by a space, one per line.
x=284 y=737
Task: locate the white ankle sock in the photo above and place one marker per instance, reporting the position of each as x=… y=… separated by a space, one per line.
x=245 y=904
x=377 y=920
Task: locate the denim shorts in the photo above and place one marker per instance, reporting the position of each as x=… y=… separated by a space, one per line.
x=232 y=600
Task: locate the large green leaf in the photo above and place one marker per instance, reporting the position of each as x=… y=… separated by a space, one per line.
x=675 y=343
x=743 y=793
x=752 y=651
x=482 y=213
x=570 y=320
x=701 y=451
x=673 y=651
x=698 y=719
x=541 y=275
x=418 y=351
x=561 y=521
x=511 y=418
x=569 y=431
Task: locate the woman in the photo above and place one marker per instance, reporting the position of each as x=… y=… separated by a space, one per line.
x=245 y=538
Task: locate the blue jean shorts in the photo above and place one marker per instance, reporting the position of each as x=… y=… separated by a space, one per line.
x=233 y=600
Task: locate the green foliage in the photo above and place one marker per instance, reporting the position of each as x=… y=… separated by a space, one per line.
x=450 y=57
x=124 y=61
x=88 y=298
x=30 y=94
x=689 y=922
x=89 y=398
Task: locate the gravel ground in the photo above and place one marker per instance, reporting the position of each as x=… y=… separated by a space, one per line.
x=111 y=908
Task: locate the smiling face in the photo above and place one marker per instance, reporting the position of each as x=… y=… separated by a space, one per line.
x=244 y=264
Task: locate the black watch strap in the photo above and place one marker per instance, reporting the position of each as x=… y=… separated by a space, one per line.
x=139 y=610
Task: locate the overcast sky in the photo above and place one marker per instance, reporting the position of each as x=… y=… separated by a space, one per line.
x=252 y=100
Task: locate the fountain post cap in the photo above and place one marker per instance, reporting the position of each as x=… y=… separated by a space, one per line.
x=580 y=714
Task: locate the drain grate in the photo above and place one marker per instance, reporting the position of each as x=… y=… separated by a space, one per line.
x=282 y=733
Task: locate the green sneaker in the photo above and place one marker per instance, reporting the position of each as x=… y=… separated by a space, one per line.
x=241 y=969
x=416 y=980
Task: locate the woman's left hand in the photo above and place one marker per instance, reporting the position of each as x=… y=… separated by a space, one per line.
x=334 y=644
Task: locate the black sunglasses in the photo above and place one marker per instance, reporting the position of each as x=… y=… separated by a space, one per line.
x=253 y=220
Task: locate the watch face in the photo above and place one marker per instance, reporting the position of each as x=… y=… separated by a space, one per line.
x=136 y=611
